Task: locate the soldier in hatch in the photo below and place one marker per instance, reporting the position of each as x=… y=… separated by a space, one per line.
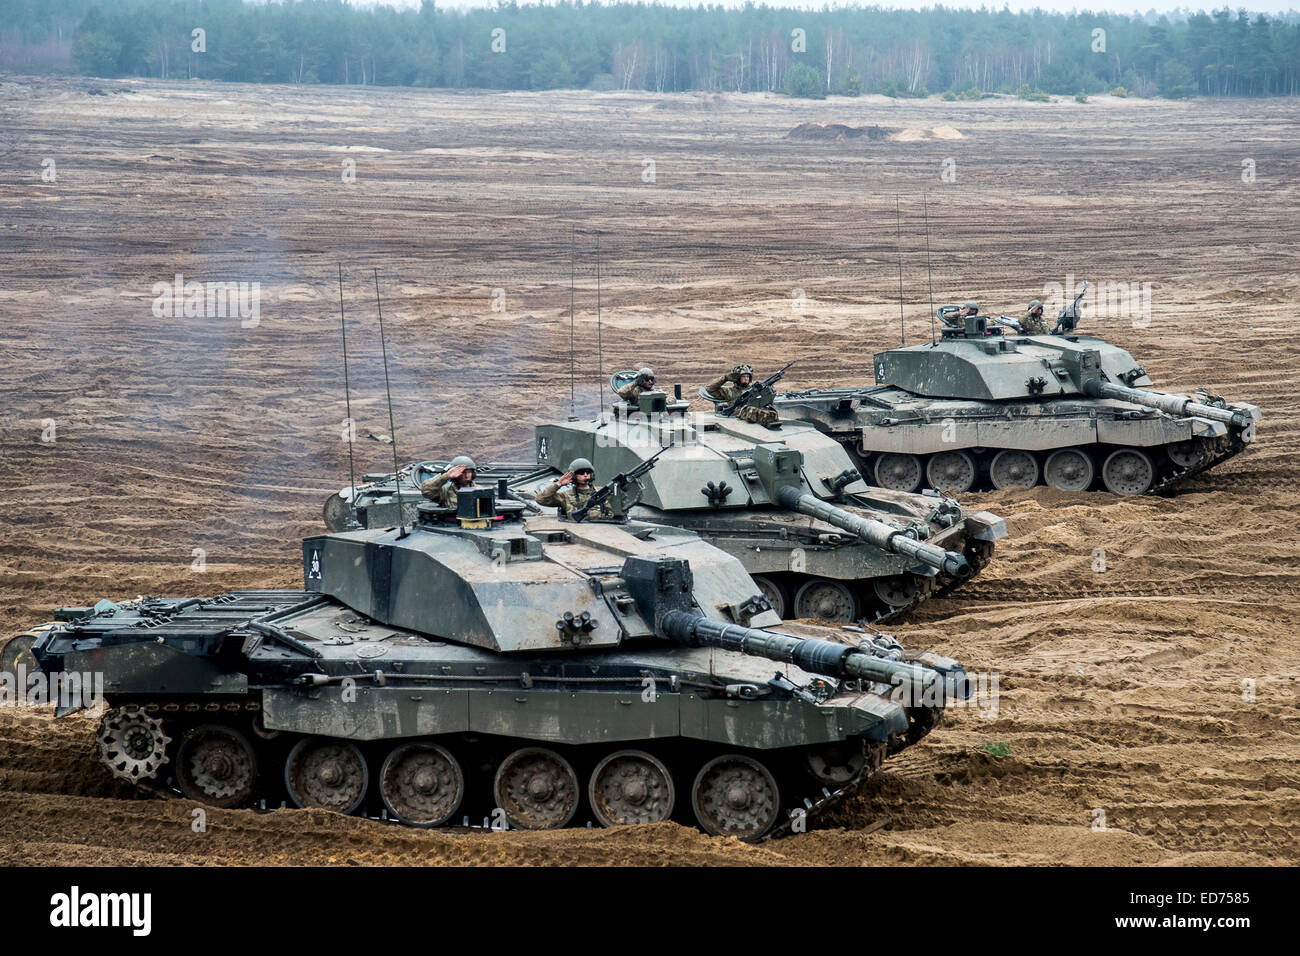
x=441 y=489
x=571 y=490
x=731 y=385
x=970 y=308
x=644 y=382
x=1033 y=323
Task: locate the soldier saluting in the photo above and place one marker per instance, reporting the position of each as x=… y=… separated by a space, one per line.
x=644 y=382
x=572 y=490
x=729 y=386
x=1033 y=323
x=442 y=488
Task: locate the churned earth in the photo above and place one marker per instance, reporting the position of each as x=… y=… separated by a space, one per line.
x=1146 y=713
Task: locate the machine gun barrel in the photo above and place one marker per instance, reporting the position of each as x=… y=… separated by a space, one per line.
x=875 y=532
x=1179 y=405
x=811 y=654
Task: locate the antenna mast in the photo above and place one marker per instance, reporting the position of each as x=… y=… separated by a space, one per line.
x=898 y=219
x=347 y=396
x=573 y=265
x=600 y=352
x=392 y=430
x=929 y=278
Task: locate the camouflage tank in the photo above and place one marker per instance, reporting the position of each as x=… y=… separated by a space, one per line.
x=785 y=500
x=986 y=407
x=487 y=664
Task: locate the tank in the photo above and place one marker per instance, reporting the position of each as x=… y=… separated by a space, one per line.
x=785 y=500
x=985 y=406
x=488 y=664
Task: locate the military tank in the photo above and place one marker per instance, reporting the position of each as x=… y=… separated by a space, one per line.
x=784 y=499
x=489 y=664
x=985 y=406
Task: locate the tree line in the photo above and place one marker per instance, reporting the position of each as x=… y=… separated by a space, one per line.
x=639 y=46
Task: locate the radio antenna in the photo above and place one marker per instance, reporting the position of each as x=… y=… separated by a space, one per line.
x=600 y=351
x=573 y=265
x=392 y=429
x=352 y=428
x=929 y=277
x=898 y=219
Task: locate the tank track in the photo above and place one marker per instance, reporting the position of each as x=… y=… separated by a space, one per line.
x=1169 y=481
x=784 y=767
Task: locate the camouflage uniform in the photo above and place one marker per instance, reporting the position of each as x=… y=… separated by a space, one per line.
x=1033 y=324
x=570 y=499
x=440 y=490
x=631 y=392
x=726 y=388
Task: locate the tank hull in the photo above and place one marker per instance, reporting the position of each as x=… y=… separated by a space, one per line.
x=261 y=698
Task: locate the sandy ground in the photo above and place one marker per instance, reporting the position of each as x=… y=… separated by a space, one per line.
x=1121 y=691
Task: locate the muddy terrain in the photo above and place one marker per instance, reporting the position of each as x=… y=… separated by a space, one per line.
x=143 y=452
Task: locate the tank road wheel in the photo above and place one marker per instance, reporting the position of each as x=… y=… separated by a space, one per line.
x=1128 y=472
x=735 y=795
x=898 y=472
x=631 y=786
x=774 y=593
x=1186 y=454
x=421 y=784
x=16 y=652
x=951 y=472
x=1069 y=469
x=326 y=774
x=837 y=764
x=1013 y=468
x=537 y=789
x=215 y=765
x=825 y=600
x=132 y=744
x=897 y=591
x=337 y=512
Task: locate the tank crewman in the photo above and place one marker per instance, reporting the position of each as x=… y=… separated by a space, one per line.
x=1033 y=323
x=441 y=489
x=729 y=386
x=571 y=490
x=970 y=308
x=644 y=382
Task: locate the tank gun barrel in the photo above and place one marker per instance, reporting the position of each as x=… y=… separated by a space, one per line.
x=811 y=654
x=883 y=536
x=1178 y=405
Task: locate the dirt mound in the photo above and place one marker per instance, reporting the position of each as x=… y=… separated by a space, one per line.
x=835 y=132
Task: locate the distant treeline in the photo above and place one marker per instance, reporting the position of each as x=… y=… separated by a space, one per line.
x=657 y=48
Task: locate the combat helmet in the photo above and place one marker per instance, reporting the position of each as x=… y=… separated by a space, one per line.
x=581 y=464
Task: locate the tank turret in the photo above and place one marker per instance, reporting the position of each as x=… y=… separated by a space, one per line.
x=491 y=665
x=980 y=408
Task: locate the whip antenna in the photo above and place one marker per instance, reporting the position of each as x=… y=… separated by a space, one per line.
x=929 y=278
x=392 y=429
x=898 y=219
x=600 y=352
x=347 y=397
x=573 y=265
